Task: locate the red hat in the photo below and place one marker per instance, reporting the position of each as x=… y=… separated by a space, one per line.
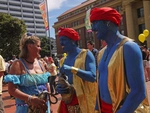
x=69 y=32
x=50 y=59
x=105 y=13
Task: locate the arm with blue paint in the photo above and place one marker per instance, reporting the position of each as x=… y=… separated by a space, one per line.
x=135 y=78
x=89 y=74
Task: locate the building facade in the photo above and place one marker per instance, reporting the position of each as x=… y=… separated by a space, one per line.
x=27 y=10
x=54 y=47
x=135 y=18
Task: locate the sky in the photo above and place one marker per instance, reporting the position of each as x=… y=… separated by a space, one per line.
x=56 y=8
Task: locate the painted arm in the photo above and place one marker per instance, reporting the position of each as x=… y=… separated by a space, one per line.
x=135 y=77
x=89 y=74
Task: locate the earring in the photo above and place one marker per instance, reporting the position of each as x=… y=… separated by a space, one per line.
x=108 y=24
x=73 y=43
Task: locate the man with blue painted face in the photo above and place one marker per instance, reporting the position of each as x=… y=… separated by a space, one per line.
x=79 y=92
x=121 y=86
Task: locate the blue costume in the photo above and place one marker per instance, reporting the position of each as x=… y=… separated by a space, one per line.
x=80 y=68
x=29 y=84
x=105 y=22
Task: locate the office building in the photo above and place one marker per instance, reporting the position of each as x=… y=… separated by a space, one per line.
x=135 y=18
x=27 y=10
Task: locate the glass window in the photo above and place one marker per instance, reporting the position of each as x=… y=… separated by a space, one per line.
x=140 y=12
x=141 y=28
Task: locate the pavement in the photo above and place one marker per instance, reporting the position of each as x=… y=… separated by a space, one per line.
x=9 y=104
x=148 y=90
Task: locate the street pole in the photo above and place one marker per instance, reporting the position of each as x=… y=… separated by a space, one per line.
x=48 y=28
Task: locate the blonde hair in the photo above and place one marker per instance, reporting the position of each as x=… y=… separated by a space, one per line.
x=24 y=41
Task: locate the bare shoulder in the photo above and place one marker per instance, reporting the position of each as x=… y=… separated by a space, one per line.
x=17 y=68
x=131 y=45
x=131 y=48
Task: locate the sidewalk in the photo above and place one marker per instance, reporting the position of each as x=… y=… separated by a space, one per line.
x=148 y=90
x=9 y=104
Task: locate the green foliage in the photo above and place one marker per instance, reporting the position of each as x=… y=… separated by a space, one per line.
x=11 y=30
x=45 y=45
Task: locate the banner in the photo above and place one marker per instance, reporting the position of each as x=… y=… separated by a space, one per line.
x=43 y=10
x=87 y=21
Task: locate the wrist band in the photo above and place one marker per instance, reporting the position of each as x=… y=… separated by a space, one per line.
x=74 y=70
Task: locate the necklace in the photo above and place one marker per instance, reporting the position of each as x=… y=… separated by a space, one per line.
x=29 y=61
x=107 y=52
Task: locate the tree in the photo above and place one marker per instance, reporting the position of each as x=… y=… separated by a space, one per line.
x=45 y=46
x=11 y=30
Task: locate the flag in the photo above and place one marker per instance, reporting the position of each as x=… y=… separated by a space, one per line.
x=43 y=10
x=87 y=21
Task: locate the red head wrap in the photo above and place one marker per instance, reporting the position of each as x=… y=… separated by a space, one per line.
x=69 y=32
x=105 y=13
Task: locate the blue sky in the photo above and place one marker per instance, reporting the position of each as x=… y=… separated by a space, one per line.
x=56 y=8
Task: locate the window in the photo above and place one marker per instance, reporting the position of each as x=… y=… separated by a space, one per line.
x=140 y=12
x=4 y=3
x=141 y=28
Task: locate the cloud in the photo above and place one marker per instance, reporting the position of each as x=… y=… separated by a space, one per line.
x=50 y=17
x=55 y=4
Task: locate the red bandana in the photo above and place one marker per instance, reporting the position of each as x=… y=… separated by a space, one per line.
x=69 y=32
x=105 y=13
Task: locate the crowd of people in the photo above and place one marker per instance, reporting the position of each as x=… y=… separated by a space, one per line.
x=110 y=79
x=146 y=61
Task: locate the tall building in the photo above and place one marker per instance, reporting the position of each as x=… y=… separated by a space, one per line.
x=27 y=10
x=135 y=18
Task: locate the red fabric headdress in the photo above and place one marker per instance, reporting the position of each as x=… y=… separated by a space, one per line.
x=69 y=32
x=105 y=13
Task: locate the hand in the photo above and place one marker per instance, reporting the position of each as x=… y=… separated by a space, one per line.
x=38 y=103
x=65 y=68
x=62 y=87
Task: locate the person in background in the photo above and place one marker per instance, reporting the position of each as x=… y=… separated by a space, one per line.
x=121 y=75
x=53 y=71
x=28 y=78
x=10 y=64
x=2 y=70
x=78 y=90
x=45 y=59
x=103 y=44
x=56 y=61
x=145 y=63
x=45 y=62
x=90 y=46
x=14 y=58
